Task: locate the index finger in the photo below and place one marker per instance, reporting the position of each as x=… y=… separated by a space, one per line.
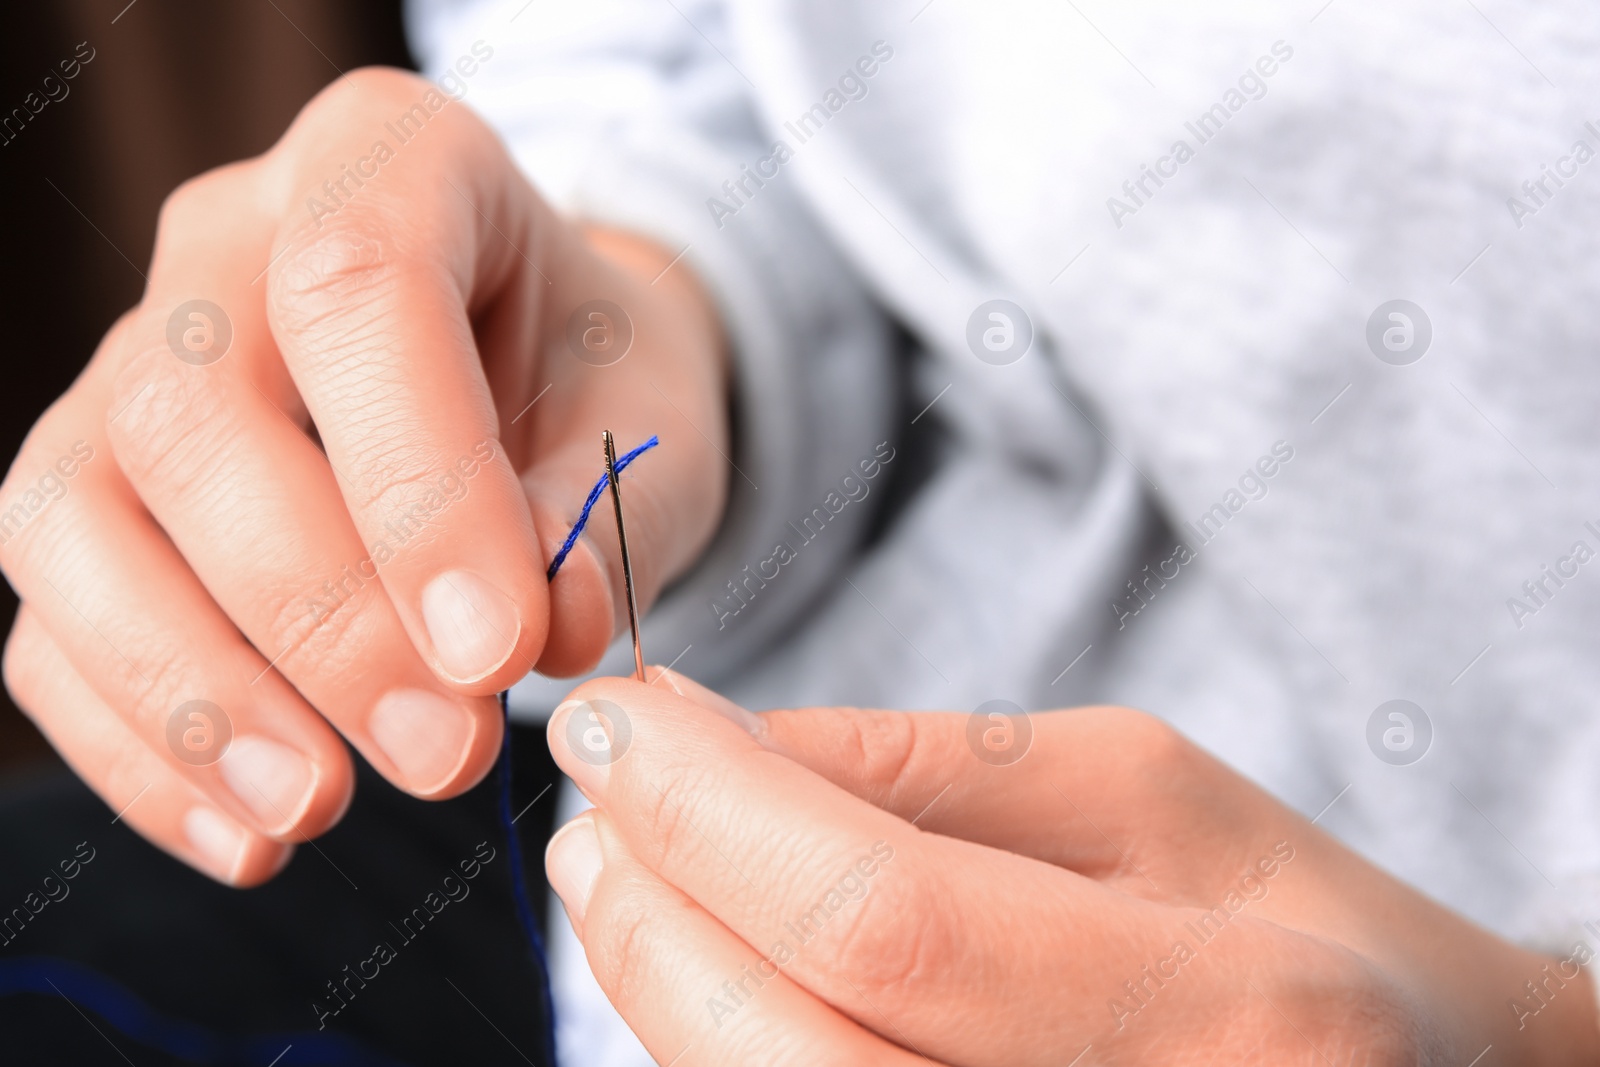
x=397 y=258
x=1131 y=802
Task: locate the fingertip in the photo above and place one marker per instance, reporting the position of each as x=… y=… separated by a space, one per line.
x=434 y=746
x=669 y=695
x=263 y=865
x=573 y=862
x=224 y=850
x=328 y=795
x=483 y=637
x=582 y=615
x=691 y=690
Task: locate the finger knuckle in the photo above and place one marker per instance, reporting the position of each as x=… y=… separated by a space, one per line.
x=39 y=477
x=193 y=206
x=159 y=428
x=338 y=272
x=676 y=835
x=621 y=935
x=893 y=937
x=404 y=482
x=883 y=745
x=355 y=126
x=360 y=94
x=21 y=666
x=338 y=297
x=365 y=99
x=333 y=630
x=1147 y=744
x=169 y=681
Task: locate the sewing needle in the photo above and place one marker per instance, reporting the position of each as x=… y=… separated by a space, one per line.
x=622 y=543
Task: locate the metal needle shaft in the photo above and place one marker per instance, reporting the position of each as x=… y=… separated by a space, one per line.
x=622 y=543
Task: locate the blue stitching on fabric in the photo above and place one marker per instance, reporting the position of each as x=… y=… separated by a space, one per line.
x=89 y=990
x=519 y=882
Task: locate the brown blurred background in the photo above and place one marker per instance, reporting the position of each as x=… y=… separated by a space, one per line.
x=174 y=88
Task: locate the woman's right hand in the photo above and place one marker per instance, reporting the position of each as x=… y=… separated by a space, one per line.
x=310 y=485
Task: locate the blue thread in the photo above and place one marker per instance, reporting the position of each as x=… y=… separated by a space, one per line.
x=87 y=989
x=519 y=882
x=519 y=878
x=588 y=506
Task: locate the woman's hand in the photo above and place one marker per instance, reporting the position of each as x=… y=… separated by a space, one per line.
x=841 y=886
x=310 y=485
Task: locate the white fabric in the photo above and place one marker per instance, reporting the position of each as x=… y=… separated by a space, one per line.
x=1177 y=344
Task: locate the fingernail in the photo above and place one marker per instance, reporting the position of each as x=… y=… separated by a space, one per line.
x=684 y=686
x=425 y=735
x=274 y=781
x=747 y=721
x=594 y=735
x=473 y=626
x=220 y=842
x=573 y=861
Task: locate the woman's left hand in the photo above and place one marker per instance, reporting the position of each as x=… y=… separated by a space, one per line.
x=843 y=886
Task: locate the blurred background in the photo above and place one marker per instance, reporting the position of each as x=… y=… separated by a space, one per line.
x=173 y=88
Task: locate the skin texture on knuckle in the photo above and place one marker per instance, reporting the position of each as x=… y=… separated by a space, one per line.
x=21 y=669
x=55 y=548
x=401 y=471
x=685 y=821
x=339 y=643
x=1149 y=740
x=340 y=302
x=174 y=677
x=189 y=212
x=336 y=282
x=875 y=754
x=883 y=745
x=625 y=930
x=893 y=940
x=1155 y=763
x=671 y=823
x=34 y=501
x=362 y=99
x=347 y=149
x=160 y=431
